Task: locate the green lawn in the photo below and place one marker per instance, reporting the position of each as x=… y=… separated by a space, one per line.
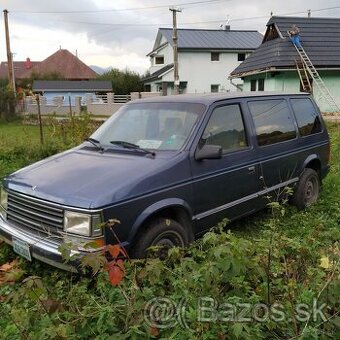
x=280 y=257
x=20 y=145
x=12 y=134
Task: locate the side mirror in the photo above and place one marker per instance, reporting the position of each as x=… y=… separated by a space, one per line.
x=209 y=152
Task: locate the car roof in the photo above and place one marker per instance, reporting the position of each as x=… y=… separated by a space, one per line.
x=209 y=98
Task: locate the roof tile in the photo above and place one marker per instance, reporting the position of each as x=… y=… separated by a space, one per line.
x=320 y=38
x=214 y=39
x=64 y=63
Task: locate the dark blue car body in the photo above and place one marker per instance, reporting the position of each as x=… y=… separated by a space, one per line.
x=136 y=188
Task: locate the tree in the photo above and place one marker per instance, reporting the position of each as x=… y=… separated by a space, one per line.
x=123 y=82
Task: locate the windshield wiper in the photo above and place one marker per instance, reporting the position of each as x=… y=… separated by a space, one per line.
x=94 y=142
x=131 y=146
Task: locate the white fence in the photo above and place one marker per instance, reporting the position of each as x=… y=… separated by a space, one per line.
x=108 y=98
x=104 y=105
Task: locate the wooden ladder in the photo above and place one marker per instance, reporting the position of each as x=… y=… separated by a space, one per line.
x=324 y=91
x=304 y=76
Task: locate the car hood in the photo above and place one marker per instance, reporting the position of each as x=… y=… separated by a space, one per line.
x=90 y=179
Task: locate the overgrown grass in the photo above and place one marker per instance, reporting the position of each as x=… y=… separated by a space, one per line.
x=20 y=144
x=268 y=266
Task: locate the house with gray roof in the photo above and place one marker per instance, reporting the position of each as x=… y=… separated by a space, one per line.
x=205 y=58
x=70 y=89
x=274 y=65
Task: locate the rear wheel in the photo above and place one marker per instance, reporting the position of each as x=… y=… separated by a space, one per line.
x=307 y=190
x=162 y=233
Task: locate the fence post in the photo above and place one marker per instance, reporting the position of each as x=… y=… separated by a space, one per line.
x=135 y=95
x=40 y=122
x=77 y=107
x=70 y=106
x=110 y=97
x=88 y=98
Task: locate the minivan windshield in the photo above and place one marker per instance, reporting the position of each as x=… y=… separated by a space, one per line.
x=155 y=126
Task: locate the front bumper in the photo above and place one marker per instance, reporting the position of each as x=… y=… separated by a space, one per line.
x=43 y=248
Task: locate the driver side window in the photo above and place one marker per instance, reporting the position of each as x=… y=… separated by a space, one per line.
x=226 y=128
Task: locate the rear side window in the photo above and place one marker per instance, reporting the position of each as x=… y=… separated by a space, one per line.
x=273 y=121
x=226 y=128
x=306 y=116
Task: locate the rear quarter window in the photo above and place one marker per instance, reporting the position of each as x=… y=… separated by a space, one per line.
x=307 y=117
x=273 y=121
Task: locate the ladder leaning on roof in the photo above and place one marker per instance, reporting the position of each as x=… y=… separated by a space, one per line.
x=316 y=79
x=304 y=76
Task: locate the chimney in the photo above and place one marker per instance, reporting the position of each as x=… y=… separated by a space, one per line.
x=28 y=63
x=226 y=27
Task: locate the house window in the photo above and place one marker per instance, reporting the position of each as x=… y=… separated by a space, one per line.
x=257 y=85
x=261 y=84
x=214 y=88
x=159 y=60
x=241 y=56
x=253 y=85
x=215 y=56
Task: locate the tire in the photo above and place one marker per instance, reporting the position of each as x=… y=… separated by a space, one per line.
x=165 y=233
x=307 y=190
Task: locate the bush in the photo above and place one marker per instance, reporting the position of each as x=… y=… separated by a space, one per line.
x=7 y=105
x=123 y=82
x=72 y=131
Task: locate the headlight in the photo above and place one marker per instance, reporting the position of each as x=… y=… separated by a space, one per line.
x=76 y=223
x=3 y=201
x=82 y=224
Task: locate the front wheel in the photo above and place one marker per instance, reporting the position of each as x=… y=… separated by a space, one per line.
x=307 y=190
x=164 y=234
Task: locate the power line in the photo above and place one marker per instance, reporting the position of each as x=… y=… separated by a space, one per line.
x=117 y=10
x=190 y=23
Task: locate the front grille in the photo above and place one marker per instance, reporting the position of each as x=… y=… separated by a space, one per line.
x=36 y=214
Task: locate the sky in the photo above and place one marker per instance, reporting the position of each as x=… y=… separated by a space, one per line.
x=119 y=34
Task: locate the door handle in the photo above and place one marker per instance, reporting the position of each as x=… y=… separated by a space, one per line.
x=251 y=169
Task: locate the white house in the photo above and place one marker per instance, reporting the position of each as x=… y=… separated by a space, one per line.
x=205 y=57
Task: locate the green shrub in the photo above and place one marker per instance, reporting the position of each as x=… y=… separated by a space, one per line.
x=72 y=131
x=7 y=105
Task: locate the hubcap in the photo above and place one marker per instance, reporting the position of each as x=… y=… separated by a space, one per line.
x=166 y=241
x=311 y=191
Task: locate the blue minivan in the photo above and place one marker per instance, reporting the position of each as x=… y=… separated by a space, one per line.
x=168 y=168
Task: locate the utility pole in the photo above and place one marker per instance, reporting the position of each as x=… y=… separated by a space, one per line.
x=9 y=54
x=174 y=39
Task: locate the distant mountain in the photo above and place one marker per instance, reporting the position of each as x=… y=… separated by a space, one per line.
x=100 y=70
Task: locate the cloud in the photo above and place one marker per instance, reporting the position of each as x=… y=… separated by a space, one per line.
x=122 y=38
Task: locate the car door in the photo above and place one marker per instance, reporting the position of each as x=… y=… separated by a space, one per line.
x=228 y=186
x=276 y=135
